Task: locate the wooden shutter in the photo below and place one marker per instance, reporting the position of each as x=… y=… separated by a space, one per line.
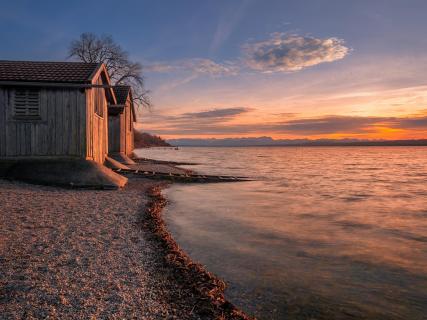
x=27 y=104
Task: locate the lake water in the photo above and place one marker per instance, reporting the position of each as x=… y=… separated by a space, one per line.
x=323 y=233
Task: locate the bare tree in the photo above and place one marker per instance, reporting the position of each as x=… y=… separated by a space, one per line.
x=102 y=49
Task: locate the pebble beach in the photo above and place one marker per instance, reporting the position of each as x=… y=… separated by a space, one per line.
x=81 y=254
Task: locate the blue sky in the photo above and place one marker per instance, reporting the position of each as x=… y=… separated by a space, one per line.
x=275 y=61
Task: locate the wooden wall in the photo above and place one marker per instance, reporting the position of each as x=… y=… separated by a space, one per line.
x=129 y=143
x=97 y=124
x=114 y=136
x=120 y=135
x=60 y=131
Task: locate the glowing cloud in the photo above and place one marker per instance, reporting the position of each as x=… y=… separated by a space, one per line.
x=285 y=53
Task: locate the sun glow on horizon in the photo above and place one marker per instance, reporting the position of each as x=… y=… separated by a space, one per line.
x=253 y=122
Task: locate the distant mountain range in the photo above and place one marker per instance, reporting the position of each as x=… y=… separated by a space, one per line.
x=268 y=141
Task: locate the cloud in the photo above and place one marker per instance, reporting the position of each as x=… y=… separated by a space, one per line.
x=207 y=66
x=408 y=122
x=226 y=24
x=216 y=113
x=329 y=125
x=301 y=127
x=195 y=119
x=280 y=53
x=197 y=66
x=285 y=53
x=172 y=84
x=159 y=67
x=350 y=124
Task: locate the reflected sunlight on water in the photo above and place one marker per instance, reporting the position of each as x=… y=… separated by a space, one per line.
x=325 y=232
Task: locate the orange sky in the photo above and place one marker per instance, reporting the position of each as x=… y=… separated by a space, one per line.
x=399 y=113
x=358 y=96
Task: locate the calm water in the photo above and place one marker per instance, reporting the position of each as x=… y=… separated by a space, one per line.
x=325 y=233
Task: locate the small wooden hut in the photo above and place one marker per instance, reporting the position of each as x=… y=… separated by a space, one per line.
x=120 y=124
x=54 y=110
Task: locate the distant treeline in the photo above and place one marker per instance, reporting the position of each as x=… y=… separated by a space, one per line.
x=145 y=140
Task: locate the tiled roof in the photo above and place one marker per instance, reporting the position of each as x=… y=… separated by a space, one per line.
x=121 y=93
x=38 y=71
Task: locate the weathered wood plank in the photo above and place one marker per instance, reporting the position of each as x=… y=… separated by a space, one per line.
x=21 y=130
x=95 y=138
x=64 y=114
x=82 y=107
x=35 y=138
x=3 y=146
x=43 y=130
x=27 y=142
x=89 y=123
x=10 y=126
x=72 y=122
x=59 y=147
x=105 y=131
x=12 y=133
x=51 y=122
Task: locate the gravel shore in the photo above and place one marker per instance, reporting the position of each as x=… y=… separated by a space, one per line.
x=81 y=254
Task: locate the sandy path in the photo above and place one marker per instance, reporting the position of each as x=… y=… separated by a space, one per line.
x=69 y=254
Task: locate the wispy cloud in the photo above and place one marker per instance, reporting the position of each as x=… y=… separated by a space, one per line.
x=290 y=52
x=227 y=23
x=281 y=53
x=197 y=66
x=350 y=124
x=224 y=113
x=207 y=66
x=201 y=118
x=328 y=125
x=188 y=70
x=160 y=67
x=409 y=122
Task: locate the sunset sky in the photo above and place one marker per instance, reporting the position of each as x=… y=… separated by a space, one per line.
x=248 y=68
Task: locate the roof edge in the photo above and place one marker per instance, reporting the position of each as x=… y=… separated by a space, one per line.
x=95 y=71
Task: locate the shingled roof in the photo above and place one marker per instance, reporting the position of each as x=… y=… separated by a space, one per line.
x=40 y=71
x=121 y=93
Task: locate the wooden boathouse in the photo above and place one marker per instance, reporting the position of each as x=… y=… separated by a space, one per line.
x=54 y=110
x=121 y=117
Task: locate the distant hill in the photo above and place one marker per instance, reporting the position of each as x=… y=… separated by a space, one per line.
x=268 y=141
x=145 y=140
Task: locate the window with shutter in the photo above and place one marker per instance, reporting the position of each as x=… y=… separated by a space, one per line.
x=27 y=104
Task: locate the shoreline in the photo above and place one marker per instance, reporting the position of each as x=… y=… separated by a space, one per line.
x=48 y=240
x=208 y=289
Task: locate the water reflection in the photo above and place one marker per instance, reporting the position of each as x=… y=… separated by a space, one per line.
x=329 y=233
